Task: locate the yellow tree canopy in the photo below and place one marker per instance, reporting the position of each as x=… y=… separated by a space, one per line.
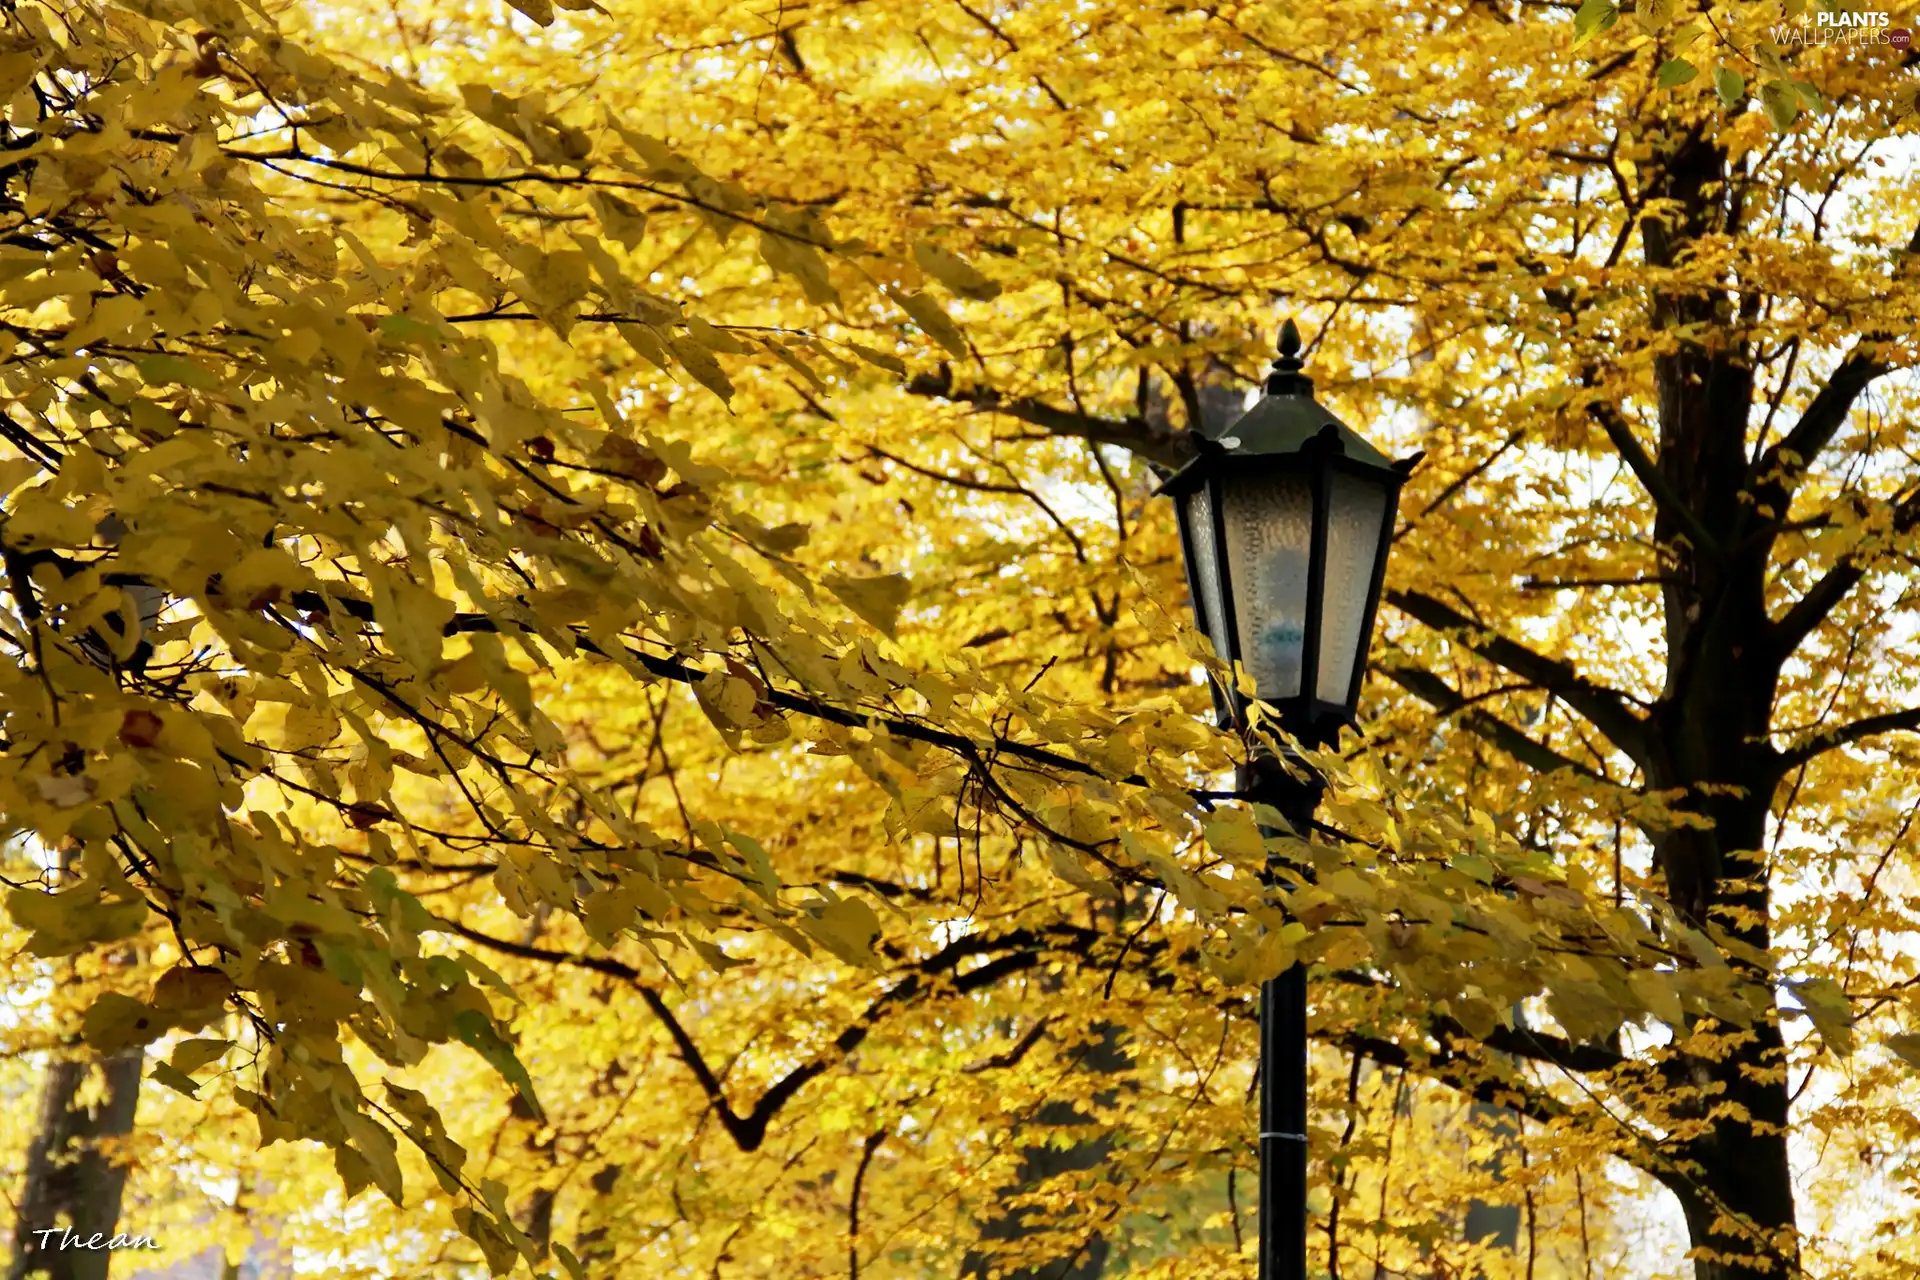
x=615 y=546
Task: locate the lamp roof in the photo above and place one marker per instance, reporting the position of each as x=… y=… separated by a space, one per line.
x=1285 y=423
x=1285 y=420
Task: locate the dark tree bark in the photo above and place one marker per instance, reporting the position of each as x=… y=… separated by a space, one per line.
x=1709 y=732
x=70 y=1182
x=1041 y=1163
x=1488 y=1222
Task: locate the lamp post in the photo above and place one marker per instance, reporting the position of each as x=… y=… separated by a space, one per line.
x=1285 y=521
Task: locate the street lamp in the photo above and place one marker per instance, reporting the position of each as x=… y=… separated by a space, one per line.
x=1285 y=522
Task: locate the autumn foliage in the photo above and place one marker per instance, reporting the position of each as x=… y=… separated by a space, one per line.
x=594 y=684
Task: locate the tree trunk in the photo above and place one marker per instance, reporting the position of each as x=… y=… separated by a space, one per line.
x=1488 y=1223
x=1041 y=1163
x=73 y=1191
x=1708 y=736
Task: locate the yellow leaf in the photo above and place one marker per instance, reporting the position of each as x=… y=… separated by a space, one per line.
x=174 y=1079
x=648 y=343
x=300 y=994
x=803 y=263
x=191 y=1055
x=958 y=275
x=1657 y=994
x=607 y=913
x=713 y=338
x=115 y=1022
x=412 y=618
x=71 y=921
x=1343 y=948
x=878 y=600
x=787 y=357
x=1232 y=833
x=891 y=363
x=700 y=362
x=931 y=318
x=191 y=996
x=847 y=928
x=377 y=1146
x=65 y=790
x=619 y=219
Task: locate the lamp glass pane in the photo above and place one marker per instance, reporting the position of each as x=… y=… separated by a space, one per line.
x=1269 y=542
x=1203 y=570
x=1356 y=510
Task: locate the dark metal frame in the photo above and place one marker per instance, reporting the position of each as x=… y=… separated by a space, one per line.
x=1265 y=779
x=1305 y=713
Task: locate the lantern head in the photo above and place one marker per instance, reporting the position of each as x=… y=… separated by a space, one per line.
x=1285 y=521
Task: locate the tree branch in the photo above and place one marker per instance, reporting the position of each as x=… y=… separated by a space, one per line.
x=1653 y=480
x=1454 y=1072
x=1517 y=1042
x=683 y=672
x=1868 y=727
x=1438 y=694
x=1460 y=1073
x=1604 y=708
x=1777 y=474
x=1138 y=434
x=1806 y=613
x=748 y=1131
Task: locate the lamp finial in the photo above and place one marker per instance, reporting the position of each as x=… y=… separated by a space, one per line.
x=1286 y=378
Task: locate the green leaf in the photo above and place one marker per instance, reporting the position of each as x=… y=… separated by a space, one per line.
x=158 y=371
x=174 y=1079
x=1675 y=71
x=541 y=11
x=1684 y=36
x=475 y=1030
x=1728 y=84
x=1593 y=17
x=1769 y=59
x=1782 y=102
x=407 y=329
x=481 y=970
x=1829 y=1010
x=1652 y=15
x=1906 y=1046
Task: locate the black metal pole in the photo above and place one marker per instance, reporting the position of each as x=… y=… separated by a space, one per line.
x=1283 y=1064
